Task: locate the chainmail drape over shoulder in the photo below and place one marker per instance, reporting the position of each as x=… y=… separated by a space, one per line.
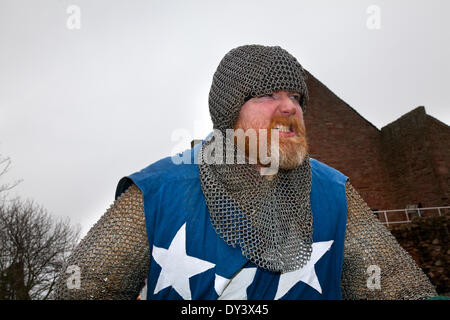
x=113 y=257
x=269 y=220
x=369 y=243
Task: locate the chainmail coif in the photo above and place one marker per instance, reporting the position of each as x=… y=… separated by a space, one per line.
x=269 y=220
x=251 y=71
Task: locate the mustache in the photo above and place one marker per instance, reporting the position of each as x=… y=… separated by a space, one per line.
x=292 y=150
x=292 y=122
x=295 y=124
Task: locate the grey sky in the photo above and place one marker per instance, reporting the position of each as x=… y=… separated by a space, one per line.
x=79 y=109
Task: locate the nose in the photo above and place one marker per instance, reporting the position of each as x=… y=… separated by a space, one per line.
x=287 y=107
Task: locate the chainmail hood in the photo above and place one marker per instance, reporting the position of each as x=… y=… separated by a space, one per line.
x=270 y=220
x=251 y=71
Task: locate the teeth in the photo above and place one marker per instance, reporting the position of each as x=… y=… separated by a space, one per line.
x=283 y=128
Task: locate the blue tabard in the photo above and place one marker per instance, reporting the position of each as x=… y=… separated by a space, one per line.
x=200 y=265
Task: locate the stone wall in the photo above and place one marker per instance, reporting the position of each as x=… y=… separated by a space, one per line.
x=427 y=241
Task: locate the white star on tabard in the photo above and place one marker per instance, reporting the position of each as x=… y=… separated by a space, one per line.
x=306 y=274
x=236 y=288
x=177 y=267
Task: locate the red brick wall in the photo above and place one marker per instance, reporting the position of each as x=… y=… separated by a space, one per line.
x=416 y=146
x=406 y=162
x=438 y=143
x=341 y=138
x=406 y=158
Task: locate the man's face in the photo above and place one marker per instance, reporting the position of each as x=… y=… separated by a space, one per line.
x=280 y=111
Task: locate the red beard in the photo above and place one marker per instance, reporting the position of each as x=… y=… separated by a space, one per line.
x=292 y=150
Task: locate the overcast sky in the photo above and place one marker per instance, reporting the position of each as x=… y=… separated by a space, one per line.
x=82 y=107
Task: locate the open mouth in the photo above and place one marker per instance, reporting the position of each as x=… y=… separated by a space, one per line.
x=283 y=130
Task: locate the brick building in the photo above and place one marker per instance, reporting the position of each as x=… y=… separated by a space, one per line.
x=405 y=163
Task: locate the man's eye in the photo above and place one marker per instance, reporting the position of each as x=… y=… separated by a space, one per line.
x=296 y=97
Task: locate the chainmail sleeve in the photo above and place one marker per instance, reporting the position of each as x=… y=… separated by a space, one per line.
x=113 y=258
x=369 y=243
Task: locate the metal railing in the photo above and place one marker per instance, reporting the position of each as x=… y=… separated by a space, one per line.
x=409 y=213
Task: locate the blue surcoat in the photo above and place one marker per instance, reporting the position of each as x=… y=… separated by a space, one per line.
x=188 y=260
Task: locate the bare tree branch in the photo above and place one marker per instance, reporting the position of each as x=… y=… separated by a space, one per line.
x=5 y=165
x=33 y=248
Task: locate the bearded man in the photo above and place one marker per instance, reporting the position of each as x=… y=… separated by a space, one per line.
x=232 y=230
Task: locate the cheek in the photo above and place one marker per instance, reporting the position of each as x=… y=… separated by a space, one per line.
x=255 y=116
x=299 y=115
